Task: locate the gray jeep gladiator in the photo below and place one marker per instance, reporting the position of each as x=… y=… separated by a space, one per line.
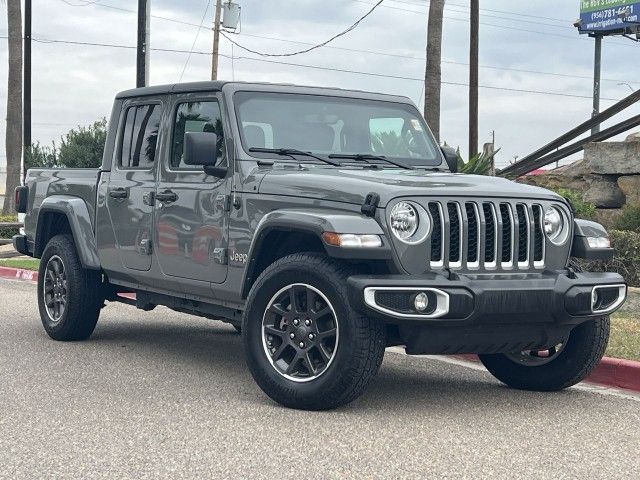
x=325 y=225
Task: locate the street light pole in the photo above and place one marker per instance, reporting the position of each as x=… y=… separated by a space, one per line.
x=216 y=41
x=597 y=68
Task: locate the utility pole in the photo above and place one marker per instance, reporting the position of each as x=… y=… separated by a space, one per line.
x=26 y=108
x=474 y=51
x=433 y=67
x=216 y=41
x=597 y=68
x=142 y=57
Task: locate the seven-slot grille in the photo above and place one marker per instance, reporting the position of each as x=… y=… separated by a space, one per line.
x=477 y=235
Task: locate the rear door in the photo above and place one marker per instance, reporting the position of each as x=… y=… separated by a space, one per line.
x=132 y=181
x=191 y=207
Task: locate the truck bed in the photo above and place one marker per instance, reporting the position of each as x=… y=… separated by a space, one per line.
x=46 y=182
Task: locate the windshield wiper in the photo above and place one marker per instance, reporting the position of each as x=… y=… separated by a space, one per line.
x=363 y=157
x=293 y=151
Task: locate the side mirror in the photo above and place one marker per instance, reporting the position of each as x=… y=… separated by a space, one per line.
x=451 y=157
x=201 y=148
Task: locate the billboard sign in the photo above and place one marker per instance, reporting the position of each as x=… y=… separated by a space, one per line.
x=609 y=15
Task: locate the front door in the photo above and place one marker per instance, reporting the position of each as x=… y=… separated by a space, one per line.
x=191 y=207
x=132 y=180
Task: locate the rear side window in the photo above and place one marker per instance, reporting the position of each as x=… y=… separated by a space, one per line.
x=140 y=136
x=195 y=117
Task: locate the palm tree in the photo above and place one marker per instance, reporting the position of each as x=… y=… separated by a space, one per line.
x=14 y=104
x=433 y=71
x=473 y=77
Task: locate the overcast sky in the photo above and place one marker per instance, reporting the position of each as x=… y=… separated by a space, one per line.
x=75 y=84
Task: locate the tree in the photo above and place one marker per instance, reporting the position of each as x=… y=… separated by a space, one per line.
x=13 y=139
x=433 y=70
x=83 y=147
x=474 y=49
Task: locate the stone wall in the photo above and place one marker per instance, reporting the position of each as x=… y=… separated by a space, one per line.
x=608 y=177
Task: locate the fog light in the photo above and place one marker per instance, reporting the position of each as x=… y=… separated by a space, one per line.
x=421 y=302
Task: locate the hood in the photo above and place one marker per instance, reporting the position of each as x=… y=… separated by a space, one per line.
x=353 y=185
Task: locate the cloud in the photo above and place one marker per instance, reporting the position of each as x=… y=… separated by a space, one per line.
x=75 y=84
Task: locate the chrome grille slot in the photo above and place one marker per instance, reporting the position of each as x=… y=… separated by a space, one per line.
x=523 y=235
x=437 y=240
x=455 y=235
x=506 y=215
x=538 y=236
x=490 y=239
x=473 y=238
x=486 y=235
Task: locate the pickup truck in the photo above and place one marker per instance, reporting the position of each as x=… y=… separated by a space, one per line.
x=324 y=225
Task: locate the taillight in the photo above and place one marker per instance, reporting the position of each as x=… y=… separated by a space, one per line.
x=21 y=199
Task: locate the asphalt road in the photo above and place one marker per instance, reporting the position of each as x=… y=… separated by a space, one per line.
x=164 y=395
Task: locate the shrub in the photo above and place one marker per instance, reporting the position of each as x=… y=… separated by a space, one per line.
x=8 y=232
x=626 y=261
x=479 y=164
x=583 y=209
x=629 y=220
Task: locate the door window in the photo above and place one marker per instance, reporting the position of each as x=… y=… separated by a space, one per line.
x=140 y=137
x=195 y=117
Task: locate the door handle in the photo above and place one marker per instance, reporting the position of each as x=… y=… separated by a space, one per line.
x=118 y=193
x=166 y=197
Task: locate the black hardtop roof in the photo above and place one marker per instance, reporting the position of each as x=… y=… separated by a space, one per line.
x=216 y=86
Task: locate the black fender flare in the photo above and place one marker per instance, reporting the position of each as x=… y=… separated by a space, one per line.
x=77 y=214
x=316 y=222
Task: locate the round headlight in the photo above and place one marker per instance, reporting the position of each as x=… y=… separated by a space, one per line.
x=404 y=221
x=554 y=225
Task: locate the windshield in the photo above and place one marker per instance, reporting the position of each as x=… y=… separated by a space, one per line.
x=335 y=125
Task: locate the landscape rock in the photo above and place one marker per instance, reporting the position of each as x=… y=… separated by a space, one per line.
x=630 y=186
x=634 y=137
x=608 y=218
x=604 y=192
x=613 y=158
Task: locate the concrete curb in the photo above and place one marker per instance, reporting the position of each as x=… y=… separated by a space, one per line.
x=611 y=372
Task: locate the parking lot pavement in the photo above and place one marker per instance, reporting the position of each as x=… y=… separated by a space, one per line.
x=164 y=395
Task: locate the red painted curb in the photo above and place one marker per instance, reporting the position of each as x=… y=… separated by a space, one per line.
x=18 y=274
x=611 y=372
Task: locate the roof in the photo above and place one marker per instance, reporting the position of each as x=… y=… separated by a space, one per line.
x=216 y=86
x=210 y=86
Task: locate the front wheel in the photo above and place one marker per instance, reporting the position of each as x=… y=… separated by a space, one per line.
x=305 y=346
x=557 y=368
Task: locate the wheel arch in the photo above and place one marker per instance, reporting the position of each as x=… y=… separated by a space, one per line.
x=284 y=232
x=61 y=214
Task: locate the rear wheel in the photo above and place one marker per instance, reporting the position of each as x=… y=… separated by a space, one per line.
x=68 y=295
x=559 y=367
x=305 y=346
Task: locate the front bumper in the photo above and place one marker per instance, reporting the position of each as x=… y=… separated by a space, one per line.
x=485 y=313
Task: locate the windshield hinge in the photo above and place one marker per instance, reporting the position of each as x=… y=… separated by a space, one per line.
x=370 y=204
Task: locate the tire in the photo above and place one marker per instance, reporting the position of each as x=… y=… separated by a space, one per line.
x=78 y=316
x=344 y=359
x=578 y=357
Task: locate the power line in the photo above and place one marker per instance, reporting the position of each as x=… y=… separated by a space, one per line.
x=421 y=58
x=372 y=52
x=306 y=50
x=507 y=12
x=204 y=15
x=316 y=67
